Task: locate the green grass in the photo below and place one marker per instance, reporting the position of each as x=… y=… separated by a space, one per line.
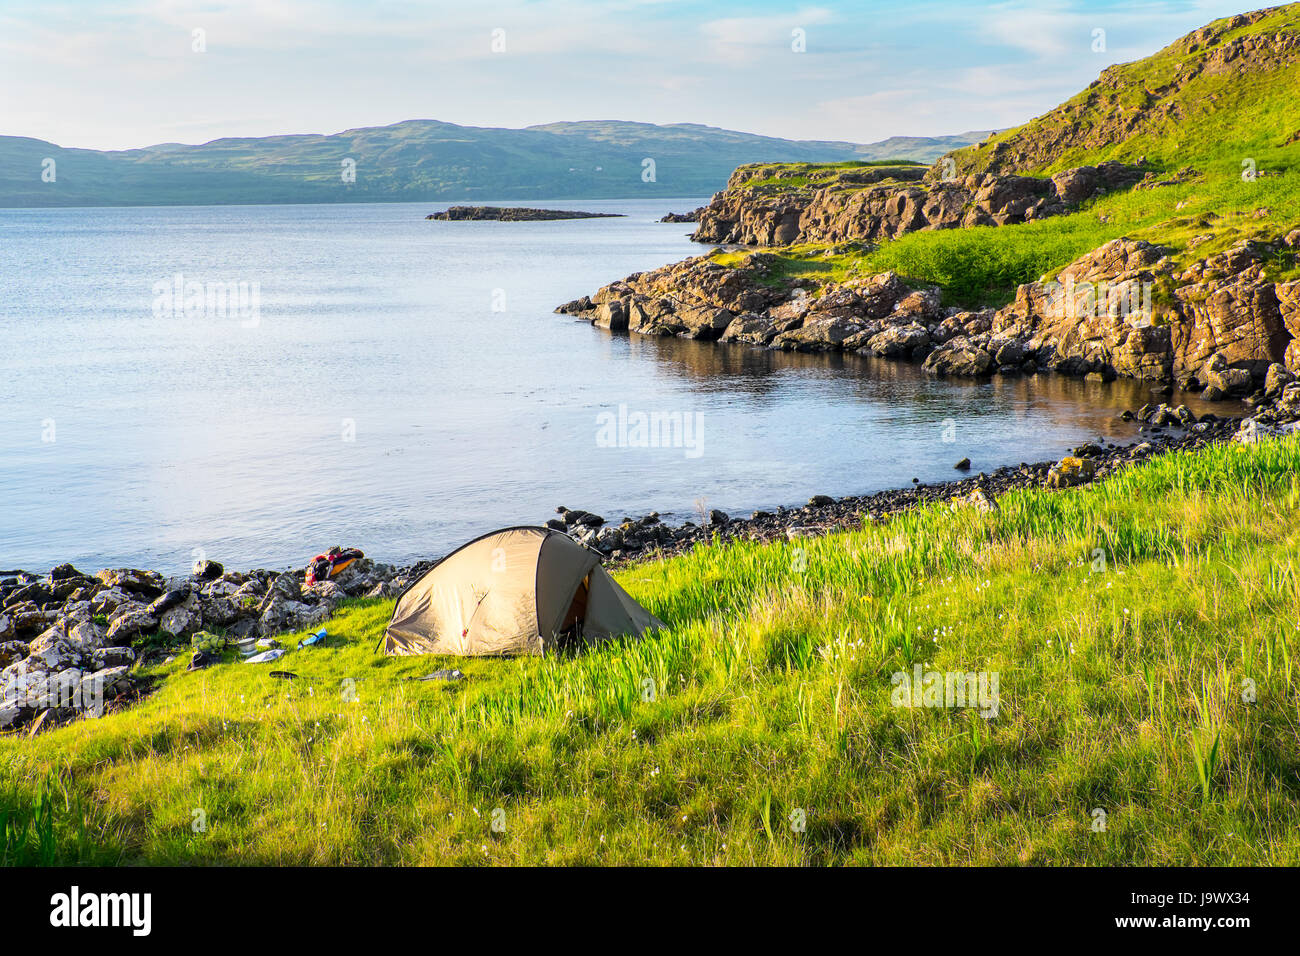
x=788 y=177
x=982 y=266
x=768 y=701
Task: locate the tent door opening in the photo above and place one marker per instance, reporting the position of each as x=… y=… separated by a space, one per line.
x=571 y=627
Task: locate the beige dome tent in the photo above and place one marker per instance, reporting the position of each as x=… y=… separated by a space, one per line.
x=514 y=591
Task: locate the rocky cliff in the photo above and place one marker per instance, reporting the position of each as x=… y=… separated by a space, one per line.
x=874 y=204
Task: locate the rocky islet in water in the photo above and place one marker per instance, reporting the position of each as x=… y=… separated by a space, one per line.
x=514 y=214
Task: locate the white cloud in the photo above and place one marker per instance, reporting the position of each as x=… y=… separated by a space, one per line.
x=1041 y=32
x=742 y=39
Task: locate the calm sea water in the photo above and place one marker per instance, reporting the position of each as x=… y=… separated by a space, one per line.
x=403 y=385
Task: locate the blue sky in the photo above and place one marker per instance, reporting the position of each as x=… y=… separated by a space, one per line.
x=123 y=74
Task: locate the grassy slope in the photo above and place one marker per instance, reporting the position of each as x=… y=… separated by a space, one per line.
x=773 y=694
x=983 y=266
x=1251 y=114
x=780 y=178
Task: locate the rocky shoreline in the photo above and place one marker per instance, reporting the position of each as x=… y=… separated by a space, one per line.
x=1166 y=429
x=71 y=642
x=1224 y=324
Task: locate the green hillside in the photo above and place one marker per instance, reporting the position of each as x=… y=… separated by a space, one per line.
x=1224 y=93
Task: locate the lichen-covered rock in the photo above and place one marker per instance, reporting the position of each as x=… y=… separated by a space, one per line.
x=1277 y=378
x=924 y=303
x=183 y=618
x=1252 y=431
x=287 y=586
x=1007 y=352
x=1071 y=471
x=750 y=328
x=223 y=587
x=282 y=614
x=208 y=570
x=27 y=620
x=130 y=624
x=108 y=657
x=87 y=634
x=1288 y=404
x=221 y=611
x=820 y=332
x=977 y=499
x=249 y=594
x=33 y=592
x=384 y=589
x=52 y=652
x=109 y=600
x=147 y=583
x=169 y=599
x=611 y=314
x=12 y=651
x=332 y=593
x=1227 y=381
x=1097 y=315
x=64 y=572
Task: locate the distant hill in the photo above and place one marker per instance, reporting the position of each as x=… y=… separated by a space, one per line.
x=424 y=160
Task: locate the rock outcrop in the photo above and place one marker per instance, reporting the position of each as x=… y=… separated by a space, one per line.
x=1104 y=314
x=692 y=216
x=893 y=202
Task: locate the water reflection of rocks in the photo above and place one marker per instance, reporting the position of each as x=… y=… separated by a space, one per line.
x=1008 y=406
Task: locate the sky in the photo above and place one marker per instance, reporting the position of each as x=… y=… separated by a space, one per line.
x=117 y=75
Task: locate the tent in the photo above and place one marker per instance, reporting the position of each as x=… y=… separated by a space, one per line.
x=515 y=591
